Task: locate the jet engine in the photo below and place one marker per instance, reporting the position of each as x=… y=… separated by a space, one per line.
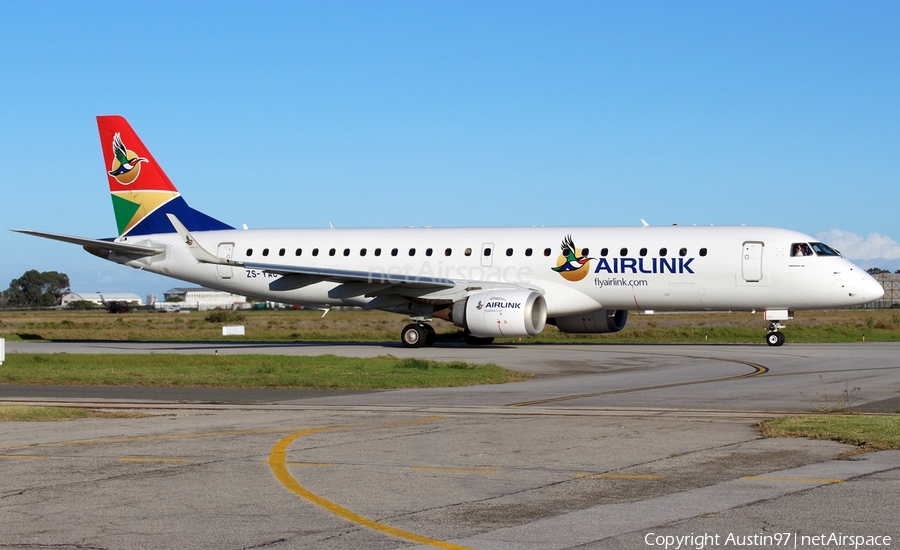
x=605 y=320
x=501 y=313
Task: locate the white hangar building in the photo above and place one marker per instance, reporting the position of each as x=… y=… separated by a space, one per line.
x=204 y=298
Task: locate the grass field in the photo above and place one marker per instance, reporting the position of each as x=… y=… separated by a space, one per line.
x=246 y=371
x=29 y=413
x=851 y=325
x=869 y=433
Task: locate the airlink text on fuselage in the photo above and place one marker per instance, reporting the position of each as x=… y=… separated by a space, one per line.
x=645 y=265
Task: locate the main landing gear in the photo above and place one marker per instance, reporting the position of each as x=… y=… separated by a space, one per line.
x=416 y=335
x=421 y=334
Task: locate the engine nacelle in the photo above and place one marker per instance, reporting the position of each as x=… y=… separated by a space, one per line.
x=501 y=313
x=596 y=322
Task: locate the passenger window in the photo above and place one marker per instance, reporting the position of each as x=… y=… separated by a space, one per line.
x=315 y=251
x=468 y=252
x=412 y=251
x=265 y=251
x=643 y=252
x=298 y=252
x=623 y=252
x=249 y=252
x=378 y=252
x=703 y=252
x=682 y=252
x=663 y=252
x=547 y=252
x=528 y=252
x=604 y=251
x=585 y=251
x=487 y=252
x=332 y=252
x=346 y=252
x=428 y=251
x=394 y=252
x=281 y=252
x=509 y=251
x=362 y=251
x=448 y=252
x=801 y=249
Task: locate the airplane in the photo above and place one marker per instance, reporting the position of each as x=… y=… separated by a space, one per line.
x=491 y=282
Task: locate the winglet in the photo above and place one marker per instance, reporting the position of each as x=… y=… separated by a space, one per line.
x=197 y=251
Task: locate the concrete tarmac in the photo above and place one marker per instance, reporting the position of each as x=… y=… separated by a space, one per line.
x=608 y=447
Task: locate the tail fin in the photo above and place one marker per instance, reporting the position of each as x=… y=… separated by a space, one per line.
x=142 y=194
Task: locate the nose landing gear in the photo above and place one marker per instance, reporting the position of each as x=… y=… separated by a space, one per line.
x=774 y=338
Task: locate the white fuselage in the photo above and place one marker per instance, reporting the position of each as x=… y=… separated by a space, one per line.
x=671 y=268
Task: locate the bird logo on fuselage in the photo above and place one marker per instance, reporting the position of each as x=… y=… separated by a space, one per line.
x=573 y=264
x=126 y=166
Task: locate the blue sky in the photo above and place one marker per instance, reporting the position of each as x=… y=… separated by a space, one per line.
x=385 y=114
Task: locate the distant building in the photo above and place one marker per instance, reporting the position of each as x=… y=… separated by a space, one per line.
x=202 y=299
x=100 y=297
x=891 y=284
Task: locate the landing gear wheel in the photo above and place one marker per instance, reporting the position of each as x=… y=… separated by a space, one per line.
x=413 y=335
x=430 y=335
x=775 y=339
x=476 y=340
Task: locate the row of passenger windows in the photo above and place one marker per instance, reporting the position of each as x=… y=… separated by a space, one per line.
x=468 y=252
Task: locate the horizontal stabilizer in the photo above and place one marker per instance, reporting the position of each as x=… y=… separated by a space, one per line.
x=101 y=244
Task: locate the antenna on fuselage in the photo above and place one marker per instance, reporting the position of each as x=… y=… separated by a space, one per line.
x=644 y=223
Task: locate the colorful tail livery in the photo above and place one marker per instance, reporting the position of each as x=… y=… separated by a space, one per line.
x=142 y=194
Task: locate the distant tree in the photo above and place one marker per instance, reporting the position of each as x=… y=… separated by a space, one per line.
x=37 y=289
x=898 y=271
x=878 y=270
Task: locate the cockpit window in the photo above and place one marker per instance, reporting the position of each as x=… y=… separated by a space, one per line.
x=823 y=249
x=801 y=249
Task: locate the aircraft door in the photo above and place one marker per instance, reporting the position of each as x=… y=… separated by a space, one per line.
x=751 y=261
x=487 y=254
x=226 y=250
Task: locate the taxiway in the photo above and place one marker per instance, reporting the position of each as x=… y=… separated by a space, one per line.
x=607 y=445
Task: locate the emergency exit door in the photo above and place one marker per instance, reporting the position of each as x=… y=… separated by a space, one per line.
x=226 y=250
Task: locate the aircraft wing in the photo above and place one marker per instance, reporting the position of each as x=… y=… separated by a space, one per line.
x=98 y=244
x=347 y=275
x=354 y=282
x=298 y=276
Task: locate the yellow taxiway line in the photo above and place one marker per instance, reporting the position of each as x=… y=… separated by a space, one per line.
x=279 y=465
x=796 y=479
x=618 y=476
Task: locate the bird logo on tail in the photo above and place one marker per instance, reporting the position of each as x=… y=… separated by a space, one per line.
x=126 y=166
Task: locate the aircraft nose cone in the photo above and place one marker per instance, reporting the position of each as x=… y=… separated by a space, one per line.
x=868 y=289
